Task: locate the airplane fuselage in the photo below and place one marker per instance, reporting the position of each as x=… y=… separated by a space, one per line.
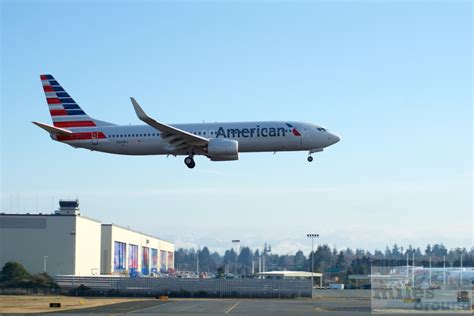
x=269 y=136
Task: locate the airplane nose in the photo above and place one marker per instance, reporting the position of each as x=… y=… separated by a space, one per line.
x=334 y=138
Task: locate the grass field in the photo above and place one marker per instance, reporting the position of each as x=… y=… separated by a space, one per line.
x=39 y=304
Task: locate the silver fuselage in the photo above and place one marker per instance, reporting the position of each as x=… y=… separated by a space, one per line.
x=268 y=136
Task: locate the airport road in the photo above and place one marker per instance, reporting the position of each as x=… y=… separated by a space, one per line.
x=247 y=307
x=193 y=307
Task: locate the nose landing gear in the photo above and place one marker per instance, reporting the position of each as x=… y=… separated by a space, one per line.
x=312 y=151
x=189 y=162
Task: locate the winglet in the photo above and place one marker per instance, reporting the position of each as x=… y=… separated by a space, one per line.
x=138 y=109
x=192 y=139
x=53 y=130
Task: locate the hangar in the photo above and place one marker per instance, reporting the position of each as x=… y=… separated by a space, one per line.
x=292 y=275
x=125 y=251
x=68 y=243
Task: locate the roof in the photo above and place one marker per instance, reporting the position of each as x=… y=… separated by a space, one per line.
x=49 y=215
x=359 y=276
x=290 y=274
x=138 y=232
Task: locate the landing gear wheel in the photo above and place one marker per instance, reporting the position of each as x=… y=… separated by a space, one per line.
x=310 y=159
x=189 y=161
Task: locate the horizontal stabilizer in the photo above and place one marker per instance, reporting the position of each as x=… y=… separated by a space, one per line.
x=53 y=130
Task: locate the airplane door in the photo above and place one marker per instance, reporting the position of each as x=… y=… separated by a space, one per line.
x=304 y=134
x=95 y=138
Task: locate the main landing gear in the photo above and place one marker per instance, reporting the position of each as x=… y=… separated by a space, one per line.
x=189 y=161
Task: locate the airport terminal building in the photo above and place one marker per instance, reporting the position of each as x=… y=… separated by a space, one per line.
x=68 y=243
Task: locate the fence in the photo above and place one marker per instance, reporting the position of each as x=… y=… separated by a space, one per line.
x=177 y=287
x=29 y=291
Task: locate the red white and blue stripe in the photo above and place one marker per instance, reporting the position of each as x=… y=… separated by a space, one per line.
x=64 y=111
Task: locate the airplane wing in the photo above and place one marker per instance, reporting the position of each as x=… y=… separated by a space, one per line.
x=176 y=137
x=53 y=130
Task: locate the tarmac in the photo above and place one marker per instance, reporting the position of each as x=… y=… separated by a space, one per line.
x=248 y=307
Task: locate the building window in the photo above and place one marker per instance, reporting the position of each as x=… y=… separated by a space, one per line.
x=120 y=255
x=154 y=260
x=145 y=260
x=132 y=258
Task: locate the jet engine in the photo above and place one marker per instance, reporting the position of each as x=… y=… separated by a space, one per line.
x=223 y=149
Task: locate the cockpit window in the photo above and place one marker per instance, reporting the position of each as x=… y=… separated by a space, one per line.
x=321 y=129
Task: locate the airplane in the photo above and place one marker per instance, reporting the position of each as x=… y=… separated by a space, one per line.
x=216 y=141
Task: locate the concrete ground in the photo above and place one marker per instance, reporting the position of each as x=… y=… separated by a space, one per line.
x=247 y=307
x=323 y=303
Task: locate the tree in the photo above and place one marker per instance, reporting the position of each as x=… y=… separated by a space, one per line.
x=229 y=259
x=245 y=260
x=220 y=272
x=340 y=262
x=204 y=260
x=43 y=280
x=14 y=271
x=428 y=251
x=396 y=254
x=299 y=260
x=439 y=250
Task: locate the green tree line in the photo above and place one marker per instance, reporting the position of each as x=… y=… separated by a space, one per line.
x=330 y=261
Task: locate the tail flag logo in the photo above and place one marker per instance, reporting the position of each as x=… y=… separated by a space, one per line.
x=293 y=129
x=64 y=111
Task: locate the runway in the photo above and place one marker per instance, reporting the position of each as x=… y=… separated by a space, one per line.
x=184 y=307
x=248 y=307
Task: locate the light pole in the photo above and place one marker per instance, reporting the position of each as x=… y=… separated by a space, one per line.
x=197 y=262
x=236 y=245
x=44 y=263
x=312 y=236
x=444 y=271
x=430 y=271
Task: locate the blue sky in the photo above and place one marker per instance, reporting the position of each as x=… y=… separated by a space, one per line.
x=394 y=79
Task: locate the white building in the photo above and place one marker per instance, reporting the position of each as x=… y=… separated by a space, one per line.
x=127 y=251
x=60 y=243
x=68 y=243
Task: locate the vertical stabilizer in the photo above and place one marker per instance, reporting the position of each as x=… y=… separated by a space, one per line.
x=65 y=112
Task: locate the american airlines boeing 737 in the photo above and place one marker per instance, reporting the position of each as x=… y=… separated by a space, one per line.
x=216 y=141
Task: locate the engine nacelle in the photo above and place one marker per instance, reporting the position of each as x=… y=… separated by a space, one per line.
x=223 y=149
